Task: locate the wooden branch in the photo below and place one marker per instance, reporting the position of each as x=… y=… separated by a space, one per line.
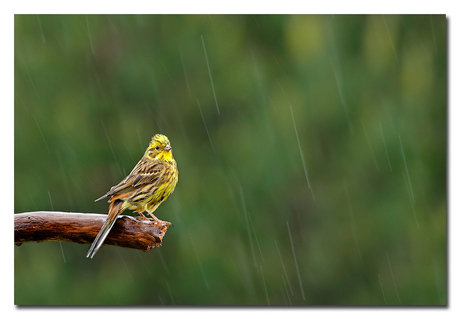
x=82 y=228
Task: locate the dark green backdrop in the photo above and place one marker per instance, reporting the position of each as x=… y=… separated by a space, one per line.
x=311 y=151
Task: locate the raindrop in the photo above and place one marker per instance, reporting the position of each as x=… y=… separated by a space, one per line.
x=41 y=30
x=111 y=148
x=392 y=276
x=51 y=202
x=206 y=127
x=31 y=81
x=295 y=260
x=385 y=145
x=338 y=82
x=159 y=127
x=246 y=215
x=432 y=34
x=210 y=76
x=76 y=184
x=285 y=287
x=170 y=294
x=265 y=286
x=143 y=262
x=301 y=153
x=89 y=32
x=408 y=183
x=298 y=142
x=410 y=199
x=370 y=146
x=352 y=219
x=31 y=198
x=185 y=73
x=407 y=171
x=129 y=153
x=284 y=269
x=389 y=37
x=255 y=235
x=381 y=287
x=257 y=22
x=424 y=50
x=199 y=262
x=164 y=67
x=98 y=82
x=163 y=262
x=141 y=146
x=41 y=133
x=126 y=266
x=280 y=68
x=60 y=243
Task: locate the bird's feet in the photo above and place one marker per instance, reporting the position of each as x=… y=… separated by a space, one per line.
x=159 y=221
x=162 y=222
x=143 y=216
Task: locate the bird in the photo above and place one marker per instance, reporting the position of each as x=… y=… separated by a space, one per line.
x=149 y=184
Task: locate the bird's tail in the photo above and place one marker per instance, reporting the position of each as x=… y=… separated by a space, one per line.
x=114 y=211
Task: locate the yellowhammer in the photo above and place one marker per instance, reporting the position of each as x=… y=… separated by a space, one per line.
x=151 y=181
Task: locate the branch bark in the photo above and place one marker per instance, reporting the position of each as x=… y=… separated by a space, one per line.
x=82 y=228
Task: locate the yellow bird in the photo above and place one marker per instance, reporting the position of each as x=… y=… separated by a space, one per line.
x=151 y=181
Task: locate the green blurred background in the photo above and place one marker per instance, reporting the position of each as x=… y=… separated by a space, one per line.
x=311 y=151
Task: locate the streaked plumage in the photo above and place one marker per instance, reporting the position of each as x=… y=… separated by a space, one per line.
x=151 y=181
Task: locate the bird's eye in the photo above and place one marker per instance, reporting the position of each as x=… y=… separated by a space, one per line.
x=157 y=147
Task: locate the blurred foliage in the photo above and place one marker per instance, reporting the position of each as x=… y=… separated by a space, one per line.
x=311 y=151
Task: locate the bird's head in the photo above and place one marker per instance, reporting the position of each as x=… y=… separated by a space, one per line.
x=160 y=148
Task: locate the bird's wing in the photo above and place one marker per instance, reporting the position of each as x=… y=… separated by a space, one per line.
x=145 y=172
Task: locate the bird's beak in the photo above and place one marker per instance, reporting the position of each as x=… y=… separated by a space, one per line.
x=167 y=147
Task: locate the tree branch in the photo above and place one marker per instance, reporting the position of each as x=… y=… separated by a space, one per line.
x=82 y=228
